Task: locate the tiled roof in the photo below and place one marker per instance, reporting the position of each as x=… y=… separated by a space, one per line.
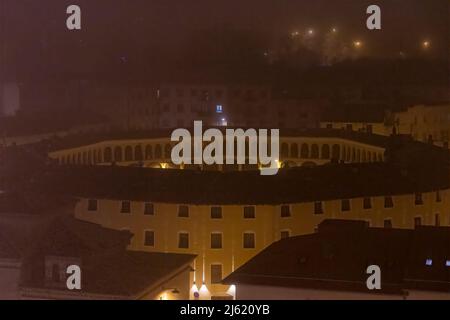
x=336 y=258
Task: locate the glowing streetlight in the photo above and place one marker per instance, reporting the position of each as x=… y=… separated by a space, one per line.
x=426 y=44
x=357 y=44
x=334 y=30
x=310 y=32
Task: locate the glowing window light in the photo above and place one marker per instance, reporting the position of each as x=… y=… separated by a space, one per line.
x=429 y=262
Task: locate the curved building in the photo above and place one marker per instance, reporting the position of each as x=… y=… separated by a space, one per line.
x=226 y=218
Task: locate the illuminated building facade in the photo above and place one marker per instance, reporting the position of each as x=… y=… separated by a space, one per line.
x=426 y=123
x=227 y=218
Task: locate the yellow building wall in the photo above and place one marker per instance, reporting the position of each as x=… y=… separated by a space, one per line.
x=267 y=226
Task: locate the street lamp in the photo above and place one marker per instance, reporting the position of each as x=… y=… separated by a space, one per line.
x=357 y=44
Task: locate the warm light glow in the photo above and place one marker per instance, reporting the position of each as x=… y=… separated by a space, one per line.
x=164 y=165
x=163 y=296
x=204 y=292
x=232 y=291
x=334 y=30
x=279 y=163
x=295 y=33
x=357 y=44
x=426 y=44
x=194 y=289
x=310 y=32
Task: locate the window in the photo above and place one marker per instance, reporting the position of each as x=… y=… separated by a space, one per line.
x=318 y=208
x=249 y=212
x=285 y=234
x=367 y=203
x=216 y=240
x=438 y=196
x=149 y=238
x=417 y=221
x=183 y=240
x=437 y=220
x=216 y=273
x=388 y=202
x=429 y=262
x=249 y=240
x=345 y=205
x=125 y=207
x=388 y=223
x=219 y=108
x=149 y=209
x=216 y=212
x=183 y=211
x=92 y=205
x=418 y=199
x=447 y=263
x=285 y=211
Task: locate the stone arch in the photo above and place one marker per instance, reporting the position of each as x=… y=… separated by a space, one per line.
x=314 y=151
x=117 y=154
x=99 y=156
x=304 y=151
x=325 y=154
x=138 y=156
x=284 y=150
x=167 y=151
x=128 y=153
x=107 y=154
x=294 y=150
x=336 y=152
x=148 y=152
x=158 y=151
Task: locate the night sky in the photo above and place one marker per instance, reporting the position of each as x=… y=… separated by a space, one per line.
x=144 y=32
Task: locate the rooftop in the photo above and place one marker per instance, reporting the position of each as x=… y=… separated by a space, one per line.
x=336 y=258
x=300 y=184
x=102 y=254
x=84 y=139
